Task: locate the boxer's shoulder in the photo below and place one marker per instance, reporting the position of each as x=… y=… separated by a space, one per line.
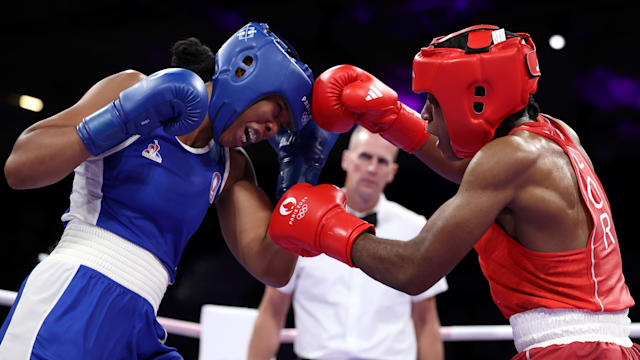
x=502 y=161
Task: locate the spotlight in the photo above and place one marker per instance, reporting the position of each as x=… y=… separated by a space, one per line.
x=30 y=103
x=557 y=42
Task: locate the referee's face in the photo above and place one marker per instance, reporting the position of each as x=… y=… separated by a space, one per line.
x=370 y=165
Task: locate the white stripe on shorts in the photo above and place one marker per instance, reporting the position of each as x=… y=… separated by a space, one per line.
x=46 y=283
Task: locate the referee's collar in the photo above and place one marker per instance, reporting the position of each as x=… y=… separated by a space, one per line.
x=376 y=209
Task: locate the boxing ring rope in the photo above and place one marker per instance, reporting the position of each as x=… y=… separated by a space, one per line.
x=449 y=333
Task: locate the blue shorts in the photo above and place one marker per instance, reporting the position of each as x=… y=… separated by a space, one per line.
x=69 y=311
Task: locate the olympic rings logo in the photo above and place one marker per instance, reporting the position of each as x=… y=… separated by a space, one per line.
x=303 y=211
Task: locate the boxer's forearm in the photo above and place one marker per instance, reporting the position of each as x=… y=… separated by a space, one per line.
x=397 y=264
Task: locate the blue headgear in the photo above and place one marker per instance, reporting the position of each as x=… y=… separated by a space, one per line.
x=252 y=64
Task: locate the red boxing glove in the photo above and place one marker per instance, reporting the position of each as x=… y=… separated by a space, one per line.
x=345 y=94
x=309 y=220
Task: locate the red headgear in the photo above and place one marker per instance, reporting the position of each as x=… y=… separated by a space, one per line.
x=479 y=86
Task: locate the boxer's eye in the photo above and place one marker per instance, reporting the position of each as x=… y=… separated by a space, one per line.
x=248 y=60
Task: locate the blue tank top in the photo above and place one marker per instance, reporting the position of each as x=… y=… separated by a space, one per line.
x=153 y=191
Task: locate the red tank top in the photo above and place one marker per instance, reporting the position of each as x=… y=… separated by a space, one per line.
x=591 y=278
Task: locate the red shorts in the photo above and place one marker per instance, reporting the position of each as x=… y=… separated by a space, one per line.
x=583 y=351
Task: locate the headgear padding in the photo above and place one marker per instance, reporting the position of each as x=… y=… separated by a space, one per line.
x=480 y=85
x=252 y=64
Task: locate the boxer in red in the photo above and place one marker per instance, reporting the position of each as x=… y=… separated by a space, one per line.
x=529 y=201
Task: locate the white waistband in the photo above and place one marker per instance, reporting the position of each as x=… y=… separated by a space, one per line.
x=544 y=327
x=121 y=260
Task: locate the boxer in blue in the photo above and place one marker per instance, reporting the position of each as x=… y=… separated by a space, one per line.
x=150 y=154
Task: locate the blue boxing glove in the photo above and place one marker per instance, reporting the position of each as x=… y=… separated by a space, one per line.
x=175 y=99
x=301 y=156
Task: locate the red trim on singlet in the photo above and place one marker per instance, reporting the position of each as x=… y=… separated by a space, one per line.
x=591 y=278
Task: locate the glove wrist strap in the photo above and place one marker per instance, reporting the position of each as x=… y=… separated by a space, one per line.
x=344 y=229
x=102 y=130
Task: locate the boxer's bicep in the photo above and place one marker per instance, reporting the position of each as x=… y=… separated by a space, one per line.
x=489 y=185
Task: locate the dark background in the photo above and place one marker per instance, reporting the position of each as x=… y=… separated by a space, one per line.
x=57 y=50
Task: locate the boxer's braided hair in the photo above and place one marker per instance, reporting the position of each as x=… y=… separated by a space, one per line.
x=191 y=54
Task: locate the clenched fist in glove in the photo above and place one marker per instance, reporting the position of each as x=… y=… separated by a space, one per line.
x=309 y=220
x=345 y=94
x=174 y=99
x=301 y=156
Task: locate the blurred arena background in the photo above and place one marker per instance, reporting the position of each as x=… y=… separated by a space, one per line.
x=56 y=50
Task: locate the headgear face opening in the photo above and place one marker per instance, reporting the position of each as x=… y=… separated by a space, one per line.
x=479 y=85
x=252 y=64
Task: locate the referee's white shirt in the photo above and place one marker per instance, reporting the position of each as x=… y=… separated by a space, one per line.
x=341 y=313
